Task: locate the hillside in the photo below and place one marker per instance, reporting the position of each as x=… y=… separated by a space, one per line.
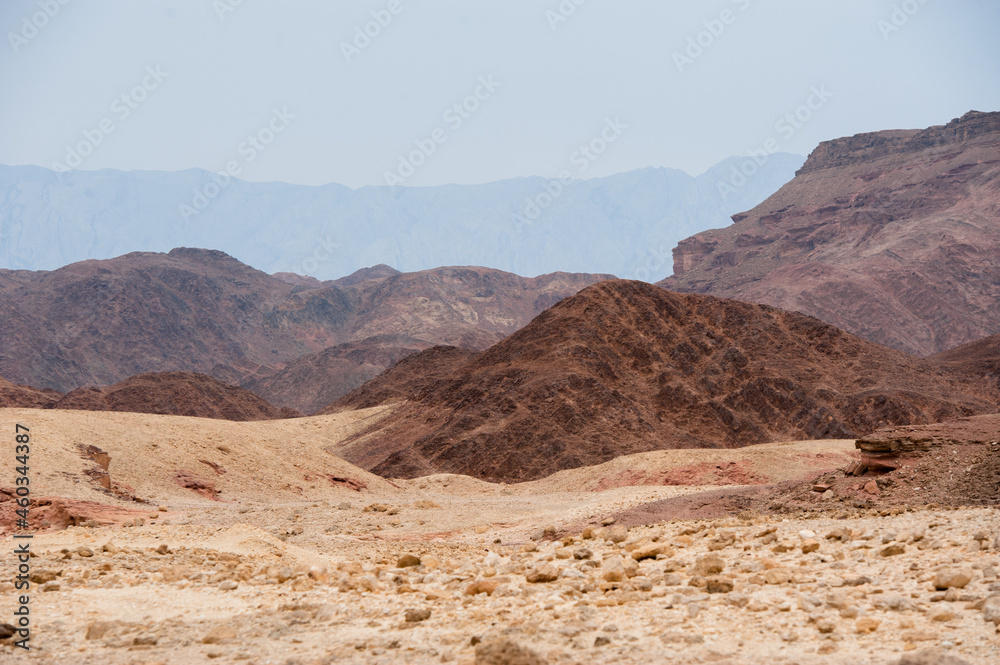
x=625 y=367
x=174 y=394
x=893 y=236
x=979 y=358
x=100 y=322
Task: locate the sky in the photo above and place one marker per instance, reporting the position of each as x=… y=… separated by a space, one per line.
x=446 y=91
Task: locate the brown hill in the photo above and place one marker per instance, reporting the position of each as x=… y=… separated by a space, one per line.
x=313 y=381
x=893 y=236
x=175 y=394
x=626 y=367
x=980 y=358
x=411 y=377
x=99 y=322
x=25 y=397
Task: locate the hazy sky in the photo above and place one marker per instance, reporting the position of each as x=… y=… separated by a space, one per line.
x=288 y=90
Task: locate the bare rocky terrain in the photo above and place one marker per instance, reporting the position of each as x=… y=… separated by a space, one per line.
x=626 y=367
x=164 y=393
x=100 y=322
x=306 y=559
x=893 y=236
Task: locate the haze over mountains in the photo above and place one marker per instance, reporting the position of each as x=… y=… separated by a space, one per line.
x=893 y=235
x=624 y=224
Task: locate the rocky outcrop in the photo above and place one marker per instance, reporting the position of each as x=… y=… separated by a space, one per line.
x=625 y=367
x=893 y=236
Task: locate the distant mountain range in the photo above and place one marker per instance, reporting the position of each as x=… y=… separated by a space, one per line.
x=624 y=224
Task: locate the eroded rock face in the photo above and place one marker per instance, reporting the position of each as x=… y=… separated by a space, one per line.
x=893 y=236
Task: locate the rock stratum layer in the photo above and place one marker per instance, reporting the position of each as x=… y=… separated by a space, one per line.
x=893 y=236
x=626 y=367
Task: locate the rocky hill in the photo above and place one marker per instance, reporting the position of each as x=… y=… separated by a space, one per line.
x=175 y=394
x=893 y=236
x=979 y=358
x=626 y=367
x=313 y=381
x=14 y=396
x=100 y=322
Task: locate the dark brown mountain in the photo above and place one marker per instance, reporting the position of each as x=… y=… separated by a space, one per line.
x=980 y=358
x=626 y=367
x=410 y=378
x=26 y=397
x=311 y=382
x=176 y=394
x=99 y=322
x=893 y=236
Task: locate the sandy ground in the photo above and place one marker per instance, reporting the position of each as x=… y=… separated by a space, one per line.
x=292 y=564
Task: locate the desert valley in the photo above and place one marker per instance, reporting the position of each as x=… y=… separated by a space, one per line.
x=787 y=452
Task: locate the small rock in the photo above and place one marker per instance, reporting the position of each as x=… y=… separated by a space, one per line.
x=930 y=657
x=219 y=634
x=991 y=610
x=163 y=549
x=98 y=629
x=343 y=505
x=483 y=586
x=810 y=545
x=542 y=574
x=826 y=625
x=582 y=554
x=952 y=578
x=708 y=565
x=866 y=625
x=408 y=561
x=506 y=652
x=651 y=551
x=616 y=534
x=716 y=584
x=892 y=550
x=228 y=585
x=85 y=552
x=162 y=509
x=941 y=612
x=607 y=521
x=416 y=615
x=778 y=576
x=110 y=548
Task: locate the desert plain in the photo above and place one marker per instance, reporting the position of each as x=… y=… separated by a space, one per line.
x=169 y=539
